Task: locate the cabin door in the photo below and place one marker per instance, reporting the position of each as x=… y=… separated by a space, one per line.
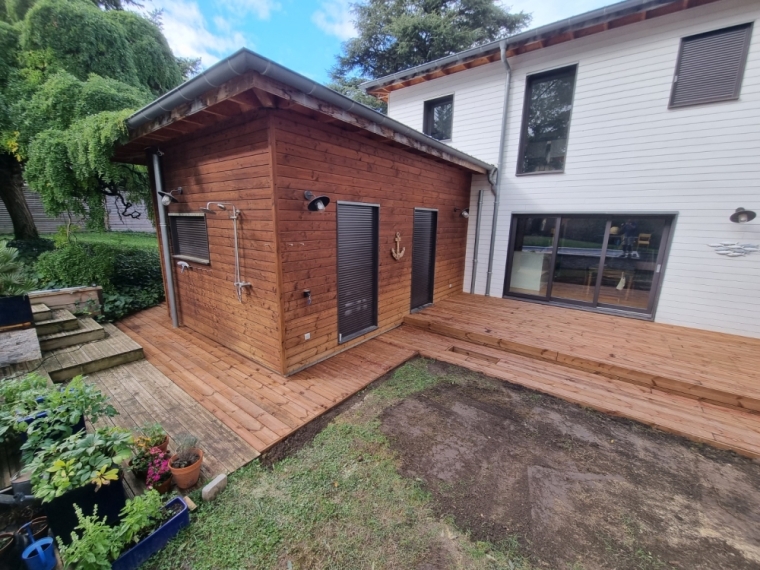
x=423 y=257
x=357 y=269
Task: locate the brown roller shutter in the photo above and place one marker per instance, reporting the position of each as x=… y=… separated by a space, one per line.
x=357 y=269
x=423 y=257
x=711 y=66
x=189 y=236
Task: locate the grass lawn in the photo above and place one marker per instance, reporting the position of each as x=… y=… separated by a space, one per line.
x=338 y=503
x=135 y=239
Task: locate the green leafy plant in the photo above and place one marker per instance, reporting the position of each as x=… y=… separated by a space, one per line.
x=79 y=460
x=13 y=279
x=18 y=400
x=94 y=547
x=96 y=544
x=65 y=409
x=186 y=454
x=138 y=515
x=130 y=276
x=151 y=435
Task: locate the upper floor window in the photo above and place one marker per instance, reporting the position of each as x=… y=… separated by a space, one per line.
x=189 y=237
x=439 y=118
x=546 y=121
x=710 y=66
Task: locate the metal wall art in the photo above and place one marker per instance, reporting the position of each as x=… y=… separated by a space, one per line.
x=734 y=248
x=398 y=252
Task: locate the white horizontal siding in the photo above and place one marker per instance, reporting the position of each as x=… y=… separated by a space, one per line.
x=627 y=152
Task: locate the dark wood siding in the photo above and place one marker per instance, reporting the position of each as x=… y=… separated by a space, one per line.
x=346 y=166
x=230 y=163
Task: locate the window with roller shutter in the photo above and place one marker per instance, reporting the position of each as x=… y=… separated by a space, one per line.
x=189 y=237
x=711 y=66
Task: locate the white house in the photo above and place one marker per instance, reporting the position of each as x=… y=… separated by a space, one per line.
x=625 y=139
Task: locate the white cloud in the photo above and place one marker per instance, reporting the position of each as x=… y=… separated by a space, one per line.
x=261 y=8
x=189 y=34
x=334 y=17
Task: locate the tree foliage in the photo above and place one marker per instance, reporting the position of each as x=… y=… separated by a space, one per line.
x=71 y=72
x=398 y=34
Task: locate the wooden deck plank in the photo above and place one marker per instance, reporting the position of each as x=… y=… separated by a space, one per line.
x=711 y=366
x=259 y=405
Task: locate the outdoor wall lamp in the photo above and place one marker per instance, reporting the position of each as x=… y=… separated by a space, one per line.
x=316 y=204
x=465 y=213
x=742 y=216
x=168 y=197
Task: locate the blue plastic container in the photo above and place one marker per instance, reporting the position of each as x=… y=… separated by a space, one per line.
x=155 y=541
x=40 y=555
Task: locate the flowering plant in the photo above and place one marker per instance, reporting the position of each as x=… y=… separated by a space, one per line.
x=158 y=467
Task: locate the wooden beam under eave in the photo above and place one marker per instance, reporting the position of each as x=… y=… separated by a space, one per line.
x=265 y=98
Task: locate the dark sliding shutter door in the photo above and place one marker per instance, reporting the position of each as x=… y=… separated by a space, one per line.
x=423 y=257
x=357 y=269
x=711 y=66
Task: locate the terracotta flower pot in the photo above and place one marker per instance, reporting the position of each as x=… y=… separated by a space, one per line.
x=165 y=486
x=186 y=477
x=165 y=445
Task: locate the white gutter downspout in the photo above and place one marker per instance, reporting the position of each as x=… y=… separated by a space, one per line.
x=164 y=238
x=497 y=178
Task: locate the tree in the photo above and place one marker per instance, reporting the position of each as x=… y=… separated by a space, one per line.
x=71 y=71
x=399 y=34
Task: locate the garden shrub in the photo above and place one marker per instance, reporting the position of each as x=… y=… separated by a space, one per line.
x=130 y=276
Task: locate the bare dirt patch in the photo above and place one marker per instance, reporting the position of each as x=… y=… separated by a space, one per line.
x=580 y=489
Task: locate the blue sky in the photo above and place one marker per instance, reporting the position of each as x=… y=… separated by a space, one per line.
x=304 y=35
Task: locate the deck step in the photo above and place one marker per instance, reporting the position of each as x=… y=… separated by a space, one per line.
x=41 y=312
x=61 y=320
x=667 y=378
x=725 y=428
x=116 y=348
x=88 y=331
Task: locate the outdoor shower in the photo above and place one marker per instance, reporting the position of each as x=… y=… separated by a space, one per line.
x=239 y=283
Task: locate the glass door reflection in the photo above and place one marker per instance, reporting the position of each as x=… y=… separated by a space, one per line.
x=632 y=262
x=579 y=252
x=531 y=255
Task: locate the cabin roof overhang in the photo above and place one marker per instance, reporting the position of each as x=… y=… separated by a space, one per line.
x=245 y=82
x=596 y=21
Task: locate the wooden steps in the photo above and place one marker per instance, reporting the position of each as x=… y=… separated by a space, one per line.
x=41 y=312
x=116 y=348
x=88 y=331
x=60 y=320
x=704 y=366
x=716 y=425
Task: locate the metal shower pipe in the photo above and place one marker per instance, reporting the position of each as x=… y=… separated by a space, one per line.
x=239 y=283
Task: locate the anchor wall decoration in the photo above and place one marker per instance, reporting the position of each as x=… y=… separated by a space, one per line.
x=398 y=251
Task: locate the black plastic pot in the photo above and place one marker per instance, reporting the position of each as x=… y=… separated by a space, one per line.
x=62 y=518
x=16 y=312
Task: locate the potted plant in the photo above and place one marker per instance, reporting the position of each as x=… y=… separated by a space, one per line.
x=152 y=435
x=61 y=412
x=159 y=474
x=19 y=400
x=186 y=463
x=82 y=469
x=15 y=308
x=145 y=528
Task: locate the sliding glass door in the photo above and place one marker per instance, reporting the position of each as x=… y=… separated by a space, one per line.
x=610 y=262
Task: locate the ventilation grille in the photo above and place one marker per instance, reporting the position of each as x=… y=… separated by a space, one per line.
x=189 y=236
x=711 y=67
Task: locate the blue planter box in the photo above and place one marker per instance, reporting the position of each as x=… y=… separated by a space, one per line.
x=155 y=541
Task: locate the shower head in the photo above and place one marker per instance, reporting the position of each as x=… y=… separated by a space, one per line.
x=207 y=210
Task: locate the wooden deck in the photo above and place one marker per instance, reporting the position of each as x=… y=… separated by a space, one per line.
x=699 y=384
x=260 y=406
x=143 y=395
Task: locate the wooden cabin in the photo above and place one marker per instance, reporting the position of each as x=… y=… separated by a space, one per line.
x=346 y=220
